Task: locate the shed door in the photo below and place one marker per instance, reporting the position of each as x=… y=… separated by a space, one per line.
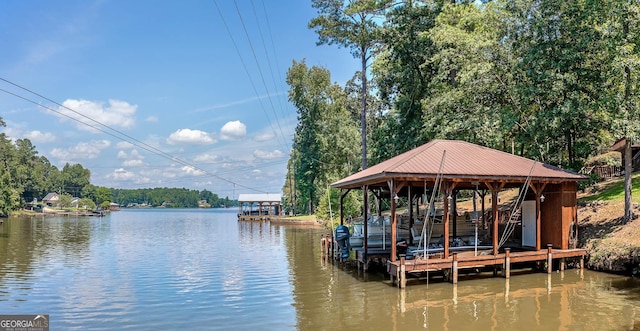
x=529 y=223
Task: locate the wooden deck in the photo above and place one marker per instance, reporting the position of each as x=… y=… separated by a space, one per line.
x=399 y=269
x=257 y=217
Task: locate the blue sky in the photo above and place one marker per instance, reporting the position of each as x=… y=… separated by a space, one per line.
x=167 y=75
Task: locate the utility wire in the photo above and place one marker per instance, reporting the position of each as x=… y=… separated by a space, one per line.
x=127 y=138
x=264 y=46
x=255 y=57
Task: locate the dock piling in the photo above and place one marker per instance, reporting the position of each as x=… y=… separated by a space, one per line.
x=402 y=279
x=549 y=258
x=507 y=263
x=454 y=272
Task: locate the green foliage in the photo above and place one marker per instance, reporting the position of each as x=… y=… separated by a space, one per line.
x=353 y=24
x=325 y=144
x=65 y=200
x=614 y=190
x=74 y=178
x=170 y=197
x=86 y=203
x=351 y=206
x=606 y=159
x=593 y=179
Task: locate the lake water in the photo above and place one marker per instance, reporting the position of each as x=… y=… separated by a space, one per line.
x=164 y=269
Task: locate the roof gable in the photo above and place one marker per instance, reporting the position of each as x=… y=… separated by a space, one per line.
x=266 y=197
x=461 y=160
x=51 y=196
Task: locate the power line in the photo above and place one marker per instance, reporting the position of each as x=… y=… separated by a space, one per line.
x=255 y=57
x=244 y=65
x=275 y=55
x=126 y=138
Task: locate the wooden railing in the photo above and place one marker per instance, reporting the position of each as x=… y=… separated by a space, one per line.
x=603 y=171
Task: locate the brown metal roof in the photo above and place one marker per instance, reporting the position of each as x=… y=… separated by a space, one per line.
x=619 y=145
x=464 y=162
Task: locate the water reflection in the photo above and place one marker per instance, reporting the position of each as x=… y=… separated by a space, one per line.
x=28 y=241
x=331 y=297
x=183 y=269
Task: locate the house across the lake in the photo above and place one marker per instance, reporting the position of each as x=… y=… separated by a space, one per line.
x=52 y=199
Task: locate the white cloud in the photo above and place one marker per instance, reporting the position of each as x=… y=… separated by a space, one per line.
x=264 y=136
x=233 y=130
x=151 y=119
x=121 y=175
x=118 y=114
x=40 y=137
x=131 y=159
x=191 y=171
x=124 y=145
x=207 y=157
x=264 y=155
x=81 y=151
x=132 y=163
x=188 y=136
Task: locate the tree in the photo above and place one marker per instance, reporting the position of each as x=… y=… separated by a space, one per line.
x=403 y=70
x=325 y=138
x=350 y=206
x=86 y=203
x=75 y=178
x=65 y=200
x=9 y=190
x=562 y=54
x=351 y=24
x=623 y=37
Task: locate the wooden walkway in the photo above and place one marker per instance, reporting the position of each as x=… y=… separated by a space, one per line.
x=257 y=217
x=399 y=269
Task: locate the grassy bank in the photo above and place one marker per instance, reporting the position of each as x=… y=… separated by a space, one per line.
x=612 y=244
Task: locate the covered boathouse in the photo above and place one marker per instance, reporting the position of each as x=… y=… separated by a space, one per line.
x=259 y=207
x=548 y=223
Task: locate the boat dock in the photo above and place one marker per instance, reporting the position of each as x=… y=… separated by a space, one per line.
x=449 y=268
x=259 y=207
x=400 y=269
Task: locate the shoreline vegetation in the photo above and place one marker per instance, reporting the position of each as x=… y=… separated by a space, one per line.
x=612 y=245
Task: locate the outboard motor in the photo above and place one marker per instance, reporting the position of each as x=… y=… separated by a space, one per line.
x=342 y=238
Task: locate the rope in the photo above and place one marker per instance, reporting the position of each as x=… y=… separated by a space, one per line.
x=427 y=218
x=511 y=225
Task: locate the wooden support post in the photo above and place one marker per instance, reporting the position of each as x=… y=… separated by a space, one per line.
x=394 y=220
x=393 y=278
x=549 y=258
x=562 y=264
x=581 y=262
x=323 y=245
x=454 y=271
x=402 y=281
x=507 y=263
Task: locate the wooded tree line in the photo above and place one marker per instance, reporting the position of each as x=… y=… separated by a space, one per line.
x=170 y=197
x=25 y=176
x=555 y=81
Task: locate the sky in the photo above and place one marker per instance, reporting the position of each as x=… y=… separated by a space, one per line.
x=152 y=93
